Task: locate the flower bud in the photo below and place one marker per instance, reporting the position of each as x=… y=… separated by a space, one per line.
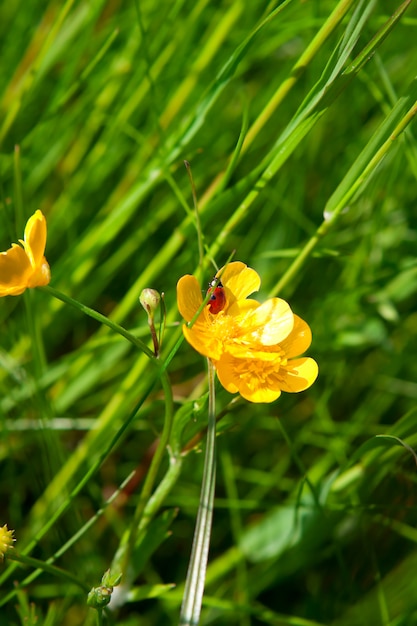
x=150 y=299
x=99 y=597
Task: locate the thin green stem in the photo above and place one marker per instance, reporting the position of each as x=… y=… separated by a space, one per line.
x=163 y=441
x=157 y=458
x=47 y=567
x=196 y=575
x=151 y=475
x=164 y=487
x=67 y=545
x=99 y=318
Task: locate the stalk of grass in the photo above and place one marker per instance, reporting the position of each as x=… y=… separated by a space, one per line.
x=196 y=574
x=117 y=101
x=356 y=178
x=315 y=105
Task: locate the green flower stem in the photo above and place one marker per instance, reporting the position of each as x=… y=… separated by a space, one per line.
x=155 y=501
x=129 y=540
x=150 y=477
x=194 y=584
x=50 y=445
x=67 y=545
x=163 y=441
x=54 y=517
x=46 y=567
x=99 y=318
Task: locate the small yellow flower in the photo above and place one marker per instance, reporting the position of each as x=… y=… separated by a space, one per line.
x=253 y=346
x=23 y=267
x=6 y=540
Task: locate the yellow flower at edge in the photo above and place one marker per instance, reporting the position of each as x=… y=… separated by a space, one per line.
x=253 y=346
x=6 y=540
x=25 y=266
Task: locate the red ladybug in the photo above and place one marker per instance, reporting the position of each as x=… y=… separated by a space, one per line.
x=217 y=300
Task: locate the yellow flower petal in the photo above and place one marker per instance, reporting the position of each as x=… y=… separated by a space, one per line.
x=239 y=281
x=189 y=297
x=41 y=275
x=260 y=381
x=35 y=238
x=25 y=267
x=242 y=306
x=299 y=340
x=253 y=351
x=269 y=324
x=226 y=375
x=15 y=269
x=299 y=374
x=201 y=336
x=260 y=394
x=207 y=344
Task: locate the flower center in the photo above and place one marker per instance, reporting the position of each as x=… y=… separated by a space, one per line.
x=223 y=326
x=260 y=372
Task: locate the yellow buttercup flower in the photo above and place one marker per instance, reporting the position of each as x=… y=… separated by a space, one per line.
x=253 y=346
x=6 y=540
x=25 y=266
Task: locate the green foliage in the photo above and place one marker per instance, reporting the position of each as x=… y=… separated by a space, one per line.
x=296 y=118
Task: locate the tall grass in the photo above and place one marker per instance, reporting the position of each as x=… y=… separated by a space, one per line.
x=296 y=118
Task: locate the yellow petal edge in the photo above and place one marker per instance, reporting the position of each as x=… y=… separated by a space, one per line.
x=23 y=267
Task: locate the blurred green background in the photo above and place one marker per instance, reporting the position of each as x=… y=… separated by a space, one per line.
x=295 y=118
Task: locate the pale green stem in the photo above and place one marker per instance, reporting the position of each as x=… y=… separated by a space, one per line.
x=196 y=575
x=157 y=498
x=68 y=544
x=127 y=549
x=163 y=441
x=46 y=567
x=99 y=318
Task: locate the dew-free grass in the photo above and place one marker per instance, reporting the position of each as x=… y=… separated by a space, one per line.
x=297 y=120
